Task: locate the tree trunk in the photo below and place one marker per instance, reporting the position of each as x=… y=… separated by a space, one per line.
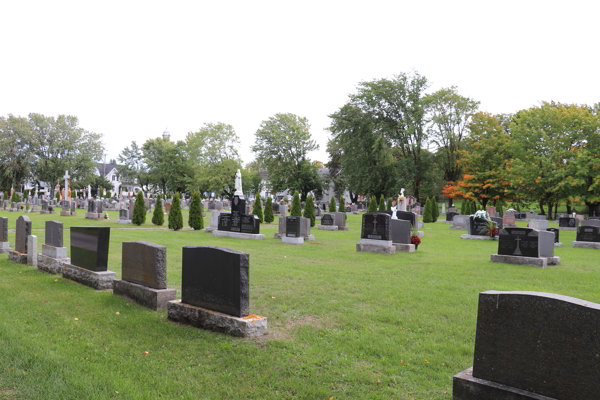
x=549 y=211
x=449 y=202
x=542 y=207
x=568 y=207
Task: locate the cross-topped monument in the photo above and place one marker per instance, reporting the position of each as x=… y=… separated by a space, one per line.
x=67 y=186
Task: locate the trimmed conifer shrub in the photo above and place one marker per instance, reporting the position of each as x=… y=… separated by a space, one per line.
x=373 y=205
x=15 y=197
x=257 y=210
x=296 y=209
x=195 y=219
x=309 y=210
x=332 y=205
x=175 y=217
x=15 y=194
x=342 y=207
x=158 y=217
x=269 y=211
x=389 y=204
x=139 y=209
x=435 y=209
x=427 y=213
x=382 y=204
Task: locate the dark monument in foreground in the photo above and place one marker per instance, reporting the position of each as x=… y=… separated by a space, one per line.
x=89 y=257
x=144 y=275
x=19 y=254
x=526 y=246
x=376 y=234
x=215 y=292
x=533 y=346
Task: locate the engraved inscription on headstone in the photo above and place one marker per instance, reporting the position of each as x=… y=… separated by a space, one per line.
x=567 y=222
x=327 y=219
x=376 y=226
x=588 y=234
x=292 y=226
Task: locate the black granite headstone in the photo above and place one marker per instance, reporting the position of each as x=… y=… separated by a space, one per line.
x=89 y=247
x=567 y=222
x=292 y=226
x=23 y=231
x=250 y=224
x=407 y=216
x=478 y=226
x=588 y=234
x=327 y=219
x=216 y=278
x=3 y=229
x=450 y=215
x=556 y=234
x=224 y=222
x=522 y=242
x=376 y=226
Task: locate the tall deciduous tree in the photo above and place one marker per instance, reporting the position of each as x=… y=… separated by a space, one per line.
x=15 y=151
x=133 y=168
x=168 y=167
x=282 y=145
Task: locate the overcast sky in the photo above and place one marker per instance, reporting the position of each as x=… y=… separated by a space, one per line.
x=131 y=69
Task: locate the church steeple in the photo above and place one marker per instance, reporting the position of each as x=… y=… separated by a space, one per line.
x=166 y=134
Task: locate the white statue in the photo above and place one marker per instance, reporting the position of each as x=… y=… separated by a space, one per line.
x=394 y=209
x=402 y=192
x=238 y=184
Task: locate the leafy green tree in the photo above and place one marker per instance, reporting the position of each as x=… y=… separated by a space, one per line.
x=373 y=205
x=15 y=197
x=389 y=204
x=427 y=213
x=139 y=209
x=158 y=217
x=257 y=210
x=309 y=210
x=195 y=218
x=382 y=206
x=296 y=208
x=332 y=204
x=175 y=217
x=269 y=211
x=133 y=168
x=168 y=167
x=16 y=157
x=282 y=145
x=342 y=207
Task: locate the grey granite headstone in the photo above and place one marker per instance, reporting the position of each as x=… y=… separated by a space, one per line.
x=460 y=222
x=591 y=222
x=53 y=233
x=401 y=231
x=23 y=230
x=541 y=343
x=4 y=229
x=538 y=224
x=145 y=263
x=216 y=278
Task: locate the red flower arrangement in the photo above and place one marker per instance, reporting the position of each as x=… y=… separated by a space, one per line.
x=415 y=240
x=22 y=207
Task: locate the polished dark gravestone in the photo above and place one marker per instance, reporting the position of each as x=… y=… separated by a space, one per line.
x=556 y=234
x=525 y=242
x=376 y=226
x=89 y=247
x=237 y=223
x=450 y=216
x=19 y=255
x=588 y=234
x=216 y=278
x=407 y=216
x=144 y=275
x=4 y=245
x=327 y=220
x=478 y=226
x=401 y=231
x=567 y=222
x=532 y=344
x=53 y=233
x=292 y=227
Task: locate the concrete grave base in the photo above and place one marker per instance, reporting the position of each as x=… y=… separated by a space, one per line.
x=5 y=247
x=293 y=240
x=250 y=326
x=587 y=245
x=328 y=227
x=420 y=224
x=310 y=238
x=374 y=248
x=558 y=245
x=566 y=229
x=154 y=299
x=467 y=387
x=52 y=265
x=541 y=262
x=210 y=228
x=420 y=233
x=238 y=235
x=54 y=252
x=65 y=213
x=19 y=258
x=477 y=237
x=123 y=221
x=12 y=210
x=342 y=228
x=97 y=280
x=90 y=215
x=448 y=222
x=459 y=228
x=408 y=248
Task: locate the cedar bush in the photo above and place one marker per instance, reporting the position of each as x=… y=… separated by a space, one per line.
x=257 y=210
x=382 y=204
x=332 y=205
x=195 y=219
x=342 y=205
x=427 y=213
x=15 y=197
x=139 y=209
x=309 y=210
x=435 y=209
x=158 y=218
x=389 y=204
x=296 y=209
x=269 y=211
x=175 y=217
x=57 y=196
x=373 y=205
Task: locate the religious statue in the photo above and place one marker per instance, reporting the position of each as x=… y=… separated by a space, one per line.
x=238 y=184
x=394 y=209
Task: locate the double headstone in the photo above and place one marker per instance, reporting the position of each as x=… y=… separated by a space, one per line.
x=334 y=219
x=215 y=292
x=89 y=257
x=144 y=275
x=54 y=255
x=526 y=246
x=532 y=345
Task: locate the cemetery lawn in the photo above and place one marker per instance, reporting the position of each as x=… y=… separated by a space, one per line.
x=342 y=324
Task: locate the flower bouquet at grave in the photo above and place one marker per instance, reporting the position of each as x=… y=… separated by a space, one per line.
x=22 y=207
x=511 y=210
x=415 y=239
x=482 y=214
x=491 y=229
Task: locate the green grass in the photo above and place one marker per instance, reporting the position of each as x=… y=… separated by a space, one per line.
x=342 y=324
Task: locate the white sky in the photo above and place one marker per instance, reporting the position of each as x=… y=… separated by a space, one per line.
x=129 y=69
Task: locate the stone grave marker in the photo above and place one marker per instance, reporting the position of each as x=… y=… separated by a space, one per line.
x=238 y=224
x=591 y=222
x=32 y=254
x=460 y=222
x=478 y=229
x=567 y=223
x=526 y=246
x=215 y=292
x=376 y=234
x=450 y=215
x=538 y=224
x=293 y=230
x=533 y=345
x=54 y=254
x=556 y=232
x=19 y=254
x=328 y=222
x=588 y=237
x=509 y=221
x=144 y=275
x=4 y=245
x=491 y=211
x=407 y=216
x=401 y=235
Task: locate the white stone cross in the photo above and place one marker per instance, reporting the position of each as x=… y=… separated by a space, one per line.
x=66 y=185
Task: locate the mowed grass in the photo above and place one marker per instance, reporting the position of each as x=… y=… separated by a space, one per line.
x=342 y=324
